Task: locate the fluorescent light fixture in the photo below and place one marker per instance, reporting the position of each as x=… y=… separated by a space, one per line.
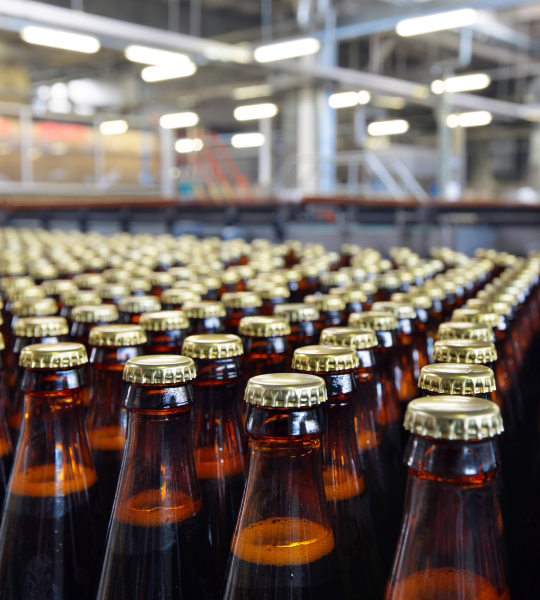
x=394 y=127
x=178 y=120
x=154 y=56
x=364 y=97
x=390 y=102
x=113 y=127
x=164 y=72
x=284 y=50
x=438 y=86
x=252 y=91
x=187 y=145
x=56 y=38
x=255 y=111
x=475 y=118
x=343 y=100
x=438 y=22
x=467 y=83
x=247 y=140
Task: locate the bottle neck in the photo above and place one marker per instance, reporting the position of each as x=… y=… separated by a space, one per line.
x=165 y=342
x=265 y=346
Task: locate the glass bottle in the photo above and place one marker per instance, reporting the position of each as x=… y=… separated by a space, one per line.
x=239 y=305
x=309 y=284
x=6 y=450
x=302 y=319
x=205 y=316
x=161 y=281
x=354 y=300
x=73 y=298
x=87 y=316
x=53 y=529
x=452 y=540
x=213 y=285
x=457 y=379
x=138 y=286
x=345 y=487
x=112 y=346
x=27 y=331
x=56 y=288
x=42 y=307
x=174 y=298
x=218 y=437
x=112 y=293
x=132 y=307
x=331 y=310
x=333 y=279
x=88 y=281
x=165 y=331
x=383 y=469
x=283 y=545
x=387 y=284
x=465 y=331
x=157 y=545
x=271 y=296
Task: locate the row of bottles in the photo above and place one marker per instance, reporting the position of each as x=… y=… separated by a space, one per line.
x=171 y=398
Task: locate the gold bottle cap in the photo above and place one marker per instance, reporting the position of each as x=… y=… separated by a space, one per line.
x=465 y=331
x=39 y=327
x=469 y=315
x=400 y=310
x=111 y=291
x=229 y=277
x=63 y=355
x=296 y=312
x=500 y=308
x=95 y=313
x=138 y=284
x=159 y=369
x=464 y=351
x=2 y=343
x=374 y=319
x=368 y=287
x=196 y=287
x=349 y=337
x=334 y=278
x=325 y=302
x=286 y=390
x=95 y=263
x=57 y=287
x=454 y=418
x=389 y=281
x=178 y=296
x=164 y=320
x=239 y=300
x=212 y=346
x=212 y=283
x=116 y=275
x=69 y=268
x=139 y=304
x=42 y=307
x=457 y=378
x=311 y=270
x=88 y=280
x=16 y=282
x=44 y=271
x=348 y=295
x=264 y=326
x=434 y=291
x=324 y=359
x=506 y=297
x=118 y=336
x=80 y=297
x=13 y=268
x=291 y=275
x=271 y=291
x=204 y=309
x=25 y=293
x=161 y=278
x=179 y=273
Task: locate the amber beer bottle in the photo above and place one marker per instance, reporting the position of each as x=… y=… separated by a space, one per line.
x=112 y=346
x=6 y=454
x=165 y=331
x=331 y=310
x=112 y=293
x=355 y=300
x=205 y=316
x=452 y=540
x=457 y=379
x=157 y=545
x=174 y=298
x=239 y=305
x=283 y=545
x=53 y=530
x=132 y=307
x=74 y=298
x=344 y=484
x=87 y=316
x=302 y=320
x=218 y=435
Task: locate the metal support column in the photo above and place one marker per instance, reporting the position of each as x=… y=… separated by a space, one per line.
x=306 y=140
x=265 y=154
x=25 y=128
x=445 y=143
x=167 y=159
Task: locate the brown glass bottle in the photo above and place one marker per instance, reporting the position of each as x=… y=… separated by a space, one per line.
x=42 y=307
x=112 y=346
x=457 y=379
x=345 y=487
x=452 y=540
x=132 y=307
x=161 y=281
x=302 y=319
x=451 y=330
x=272 y=296
x=27 y=331
x=218 y=437
x=56 y=288
x=331 y=310
x=88 y=280
x=157 y=544
x=239 y=305
x=407 y=365
x=73 y=298
x=87 y=316
x=283 y=545
x=112 y=293
x=174 y=298
x=354 y=300
x=6 y=451
x=165 y=331
x=387 y=284
x=205 y=316
x=53 y=529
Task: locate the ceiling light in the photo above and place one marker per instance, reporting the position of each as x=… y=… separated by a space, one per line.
x=364 y=97
x=187 y=145
x=438 y=86
x=252 y=91
x=154 y=56
x=255 y=111
x=390 y=102
x=284 y=50
x=394 y=127
x=164 y=72
x=467 y=83
x=343 y=100
x=438 y=22
x=475 y=118
x=55 y=38
x=247 y=140
x=113 y=127
x=178 y=120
